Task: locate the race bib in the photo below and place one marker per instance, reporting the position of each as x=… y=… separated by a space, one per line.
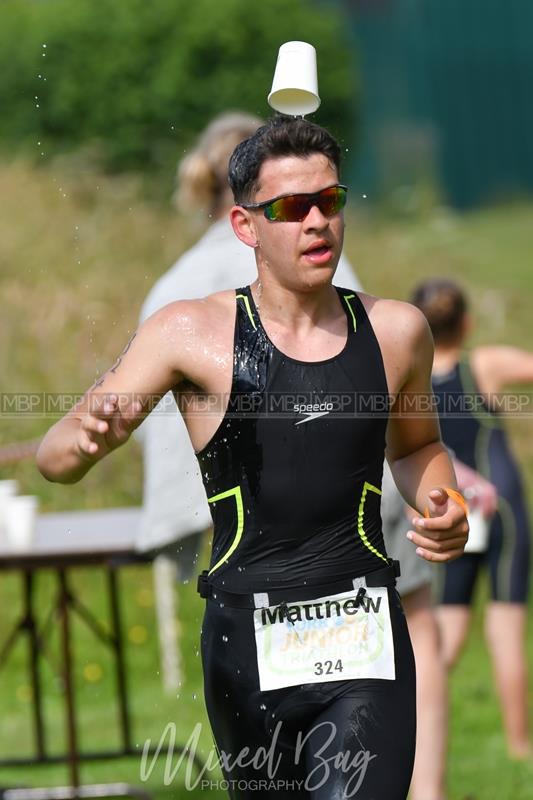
x=328 y=639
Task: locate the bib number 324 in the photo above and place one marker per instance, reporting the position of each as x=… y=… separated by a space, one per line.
x=328 y=639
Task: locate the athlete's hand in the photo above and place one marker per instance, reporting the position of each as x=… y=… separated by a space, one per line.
x=107 y=425
x=443 y=534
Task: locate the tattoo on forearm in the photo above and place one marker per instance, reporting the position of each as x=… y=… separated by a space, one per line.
x=115 y=366
x=119 y=359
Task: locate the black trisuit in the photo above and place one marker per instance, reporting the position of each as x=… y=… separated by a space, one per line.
x=475 y=434
x=295 y=499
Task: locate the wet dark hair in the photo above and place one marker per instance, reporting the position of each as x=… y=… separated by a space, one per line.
x=444 y=304
x=280 y=136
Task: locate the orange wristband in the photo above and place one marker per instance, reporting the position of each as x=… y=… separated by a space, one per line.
x=458 y=497
x=453 y=494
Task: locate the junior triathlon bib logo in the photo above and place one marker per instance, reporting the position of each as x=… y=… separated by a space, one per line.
x=328 y=639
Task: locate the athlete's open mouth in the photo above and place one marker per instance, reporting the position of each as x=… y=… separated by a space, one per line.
x=319 y=251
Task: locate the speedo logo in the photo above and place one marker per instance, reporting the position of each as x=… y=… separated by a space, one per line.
x=311 y=408
x=312 y=411
x=331 y=608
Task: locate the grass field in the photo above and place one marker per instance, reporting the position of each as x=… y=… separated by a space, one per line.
x=78 y=253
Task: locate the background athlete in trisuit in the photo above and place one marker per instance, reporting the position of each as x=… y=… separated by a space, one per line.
x=478 y=438
x=290 y=328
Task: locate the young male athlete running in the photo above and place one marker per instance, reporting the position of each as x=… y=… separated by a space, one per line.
x=309 y=675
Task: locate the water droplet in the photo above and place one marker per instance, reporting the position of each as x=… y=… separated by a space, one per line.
x=364 y=196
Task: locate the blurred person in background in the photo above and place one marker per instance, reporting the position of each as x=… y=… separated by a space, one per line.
x=476 y=436
x=415 y=588
x=176 y=512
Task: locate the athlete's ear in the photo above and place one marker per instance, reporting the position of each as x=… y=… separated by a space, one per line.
x=243 y=225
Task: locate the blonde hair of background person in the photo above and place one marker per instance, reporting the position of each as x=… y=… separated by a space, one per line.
x=176 y=512
x=202 y=175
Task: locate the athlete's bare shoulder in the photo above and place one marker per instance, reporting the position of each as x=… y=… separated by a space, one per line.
x=395 y=319
x=195 y=335
x=189 y=317
x=404 y=337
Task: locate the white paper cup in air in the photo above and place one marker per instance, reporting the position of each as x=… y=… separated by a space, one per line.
x=478 y=537
x=295 y=85
x=20 y=518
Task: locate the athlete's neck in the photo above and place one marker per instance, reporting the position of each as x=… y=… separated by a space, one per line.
x=296 y=310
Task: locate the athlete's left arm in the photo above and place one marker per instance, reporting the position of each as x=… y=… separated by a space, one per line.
x=420 y=463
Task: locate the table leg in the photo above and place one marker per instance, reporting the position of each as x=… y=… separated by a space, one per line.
x=31 y=627
x=72 y=744
x=120 y=669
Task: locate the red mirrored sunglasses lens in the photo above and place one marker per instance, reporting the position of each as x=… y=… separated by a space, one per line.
x=296 y=207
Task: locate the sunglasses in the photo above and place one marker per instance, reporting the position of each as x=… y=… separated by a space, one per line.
x=295 y=207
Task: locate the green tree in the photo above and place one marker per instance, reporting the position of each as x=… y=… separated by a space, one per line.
x=138 y=79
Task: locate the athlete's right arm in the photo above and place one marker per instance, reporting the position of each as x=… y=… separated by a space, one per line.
x=152 y=363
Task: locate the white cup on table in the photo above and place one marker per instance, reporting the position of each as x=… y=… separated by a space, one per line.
x=8 y=489
x=20 y=520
